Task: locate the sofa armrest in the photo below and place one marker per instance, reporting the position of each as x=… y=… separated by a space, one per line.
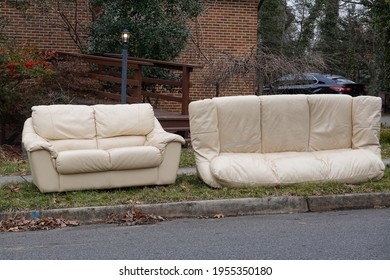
x=33 y=142
x=159 y=138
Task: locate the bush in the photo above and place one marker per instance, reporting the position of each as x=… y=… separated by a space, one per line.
x=21 y=69
x=29 y=77
x=158 y=28
x=385 y=136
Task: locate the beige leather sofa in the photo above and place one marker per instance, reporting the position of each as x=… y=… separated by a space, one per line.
x=74 y=147
x=282 y=139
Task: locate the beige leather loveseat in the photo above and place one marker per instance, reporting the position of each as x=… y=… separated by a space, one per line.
x=74 y=147
x=280 y=139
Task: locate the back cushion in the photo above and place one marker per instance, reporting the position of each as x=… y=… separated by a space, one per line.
x=285 y=123
x=56 y=122
x=239 y=123
x=366 y=111
x=123 y=119
x=330 y=122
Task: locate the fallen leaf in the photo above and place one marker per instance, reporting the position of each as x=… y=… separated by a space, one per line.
x=15 y=188
x=219 y=216
x=134 y=217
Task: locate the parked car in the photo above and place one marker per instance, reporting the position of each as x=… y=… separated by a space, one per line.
x=312 y=83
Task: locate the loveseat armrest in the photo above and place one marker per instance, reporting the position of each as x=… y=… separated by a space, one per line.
x=159 y=138
x=33 y=142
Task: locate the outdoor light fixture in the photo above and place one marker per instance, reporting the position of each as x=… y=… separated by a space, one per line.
x=125 y=36
x=125 y=39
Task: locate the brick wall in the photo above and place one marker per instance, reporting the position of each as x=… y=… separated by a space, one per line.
x=226 y=27
x=31 y=26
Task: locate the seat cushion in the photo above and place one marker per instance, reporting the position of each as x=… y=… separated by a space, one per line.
x=352 y=165
x=82 y=161
x=56 y=122
x=134 y=157
x=267 y=169
x=95 y=160
x=344 y=165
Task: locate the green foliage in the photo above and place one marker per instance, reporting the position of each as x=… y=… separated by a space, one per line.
x=158 y=27
x=379 y=11
x=352 y=37
x=27 y=78
x=275 y=19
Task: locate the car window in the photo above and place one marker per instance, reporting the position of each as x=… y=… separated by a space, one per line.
x=296 y=80
x=309 y=79
x=341 y=80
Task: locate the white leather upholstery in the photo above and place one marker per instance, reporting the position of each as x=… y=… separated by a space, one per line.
x=73 y=147
x=252 y=140
x=64 y=122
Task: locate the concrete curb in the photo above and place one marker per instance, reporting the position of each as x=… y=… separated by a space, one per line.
x=226 y=207
x=188 y=209
x=15 y=179
x=348 y=201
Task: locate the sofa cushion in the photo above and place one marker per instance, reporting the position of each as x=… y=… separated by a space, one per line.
x=123 y=119
x=239 y=132
x=343 y=165
x=56 y=122
x=238 y=169
x=330 y=122
x=204 y=129
x=134 y=157
x=95 y=160
x=73 y=144
x=351 y=165
x=120 y=141
x=265 y=169
x=285 y=123
x=366 y=123
x=82 y=161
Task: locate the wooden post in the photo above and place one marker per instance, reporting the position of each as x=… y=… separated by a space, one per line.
x=186 y=90
x=138 y=89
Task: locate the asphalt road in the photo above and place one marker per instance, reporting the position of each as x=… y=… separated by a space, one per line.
x=352 y=235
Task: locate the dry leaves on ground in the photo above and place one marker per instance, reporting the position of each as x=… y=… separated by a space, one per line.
x=10 y=153
x=134 y=217
x=216 y=216
x=20 y=223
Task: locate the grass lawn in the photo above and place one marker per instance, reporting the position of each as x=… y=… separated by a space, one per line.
x=25 y=196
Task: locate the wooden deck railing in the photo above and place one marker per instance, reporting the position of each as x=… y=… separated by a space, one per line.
x=105 y=71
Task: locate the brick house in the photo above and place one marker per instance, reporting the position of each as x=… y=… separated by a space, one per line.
x=225 y=27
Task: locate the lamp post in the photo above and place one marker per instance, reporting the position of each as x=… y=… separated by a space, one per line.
x=125 y=40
